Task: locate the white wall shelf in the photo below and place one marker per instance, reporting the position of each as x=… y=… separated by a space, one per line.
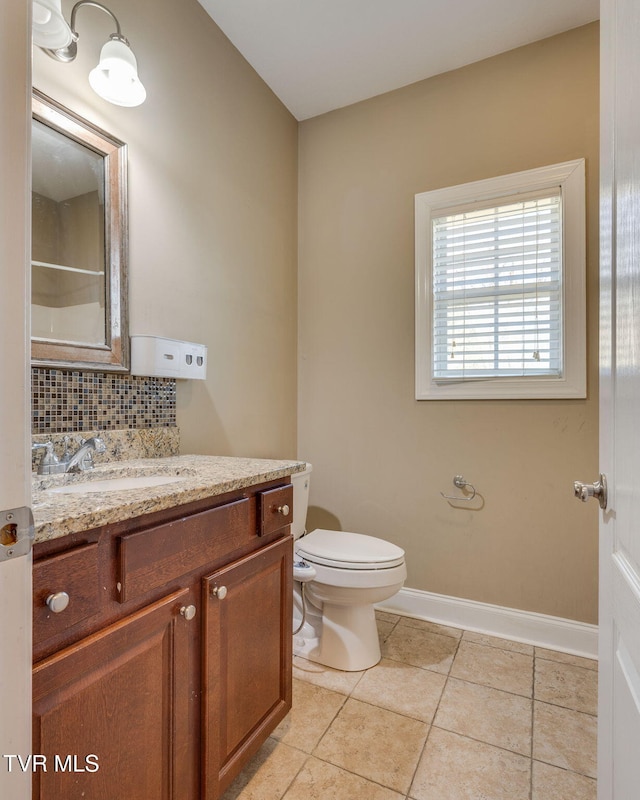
x=66 y=269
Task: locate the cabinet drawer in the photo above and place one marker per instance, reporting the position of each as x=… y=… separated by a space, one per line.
x=156 y=556
x=276 y=509
x=74 y=573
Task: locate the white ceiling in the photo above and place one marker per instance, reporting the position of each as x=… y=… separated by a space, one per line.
x=318 y=55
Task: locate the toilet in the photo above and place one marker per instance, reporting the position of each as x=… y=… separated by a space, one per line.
x=338 y=576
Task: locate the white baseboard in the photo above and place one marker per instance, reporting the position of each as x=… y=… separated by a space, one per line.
x=554 y=633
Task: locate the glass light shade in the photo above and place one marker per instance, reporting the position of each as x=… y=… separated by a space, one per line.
x=49 y=27
x=115 y=78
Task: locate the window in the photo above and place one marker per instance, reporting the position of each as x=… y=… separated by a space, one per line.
x=500 y=287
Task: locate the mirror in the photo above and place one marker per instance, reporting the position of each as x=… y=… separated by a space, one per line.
x=79 y=242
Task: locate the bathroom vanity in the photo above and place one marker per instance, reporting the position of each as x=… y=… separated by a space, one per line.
x=162 y=638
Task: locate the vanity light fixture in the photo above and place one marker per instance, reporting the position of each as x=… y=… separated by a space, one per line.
x=50 y=29
x=115 y=78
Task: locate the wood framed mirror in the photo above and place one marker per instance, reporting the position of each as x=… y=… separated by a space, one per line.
x=79 y=242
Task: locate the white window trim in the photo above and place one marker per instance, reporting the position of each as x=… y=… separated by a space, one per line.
x=570 y=176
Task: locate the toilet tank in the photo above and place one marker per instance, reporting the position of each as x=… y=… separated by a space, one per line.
x=300 y=482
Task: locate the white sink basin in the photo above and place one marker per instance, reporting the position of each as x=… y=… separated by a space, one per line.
x=118 y=484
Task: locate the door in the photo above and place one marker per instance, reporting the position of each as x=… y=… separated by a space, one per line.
x=619 y=688
x=86 y=696
x=247 y=659
x=15 y=465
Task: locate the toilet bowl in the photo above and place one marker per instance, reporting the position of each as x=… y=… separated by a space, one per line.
x=338 y=577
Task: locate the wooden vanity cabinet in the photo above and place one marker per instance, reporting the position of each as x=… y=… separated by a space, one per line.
x=247 y=655
x=154 y=681
x=111 y=712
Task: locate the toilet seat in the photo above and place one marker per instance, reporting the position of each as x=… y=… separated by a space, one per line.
x=346 y=550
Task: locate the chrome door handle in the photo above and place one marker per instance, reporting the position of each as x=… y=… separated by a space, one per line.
x=598 y=489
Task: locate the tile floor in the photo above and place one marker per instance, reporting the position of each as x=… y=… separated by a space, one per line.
x=446 y=715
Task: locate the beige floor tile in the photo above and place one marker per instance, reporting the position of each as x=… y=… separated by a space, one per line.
x=495 y=641
x=564 y=738
x=384 y=630
x=399 y=687
x=456 y=768
x=567 y=685
x=490 y=666
x=492 y=716
x=376 y=744
x=553 y=783
x=314 y=709
x=385 y=616
x=566 y=658
x=432 y=627
x=268 y=774
x=334 y=679
x=321 y=781
x=359 y=736
x=421 y=648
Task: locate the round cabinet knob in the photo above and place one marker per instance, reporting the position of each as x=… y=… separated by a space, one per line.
x=219 y=591
x=188 y=612
x=57 y=602
x=284 y=510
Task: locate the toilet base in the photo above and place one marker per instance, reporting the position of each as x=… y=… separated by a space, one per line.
x=341 y=637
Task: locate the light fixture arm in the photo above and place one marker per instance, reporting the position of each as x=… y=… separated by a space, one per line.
x=80 y=3
x=69 y=52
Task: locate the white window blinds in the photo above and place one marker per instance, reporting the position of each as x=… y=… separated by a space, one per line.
x=497 y=289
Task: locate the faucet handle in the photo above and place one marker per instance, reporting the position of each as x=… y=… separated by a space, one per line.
x=99 y=445
x=93 y=445
x=50 y=463
x=49 y=456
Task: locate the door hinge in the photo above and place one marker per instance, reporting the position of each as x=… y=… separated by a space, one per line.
x=16 y=532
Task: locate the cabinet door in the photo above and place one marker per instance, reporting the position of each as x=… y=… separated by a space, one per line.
x=119 y=700
x=246 y=660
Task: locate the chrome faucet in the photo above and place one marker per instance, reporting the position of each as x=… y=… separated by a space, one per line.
x=82 y=459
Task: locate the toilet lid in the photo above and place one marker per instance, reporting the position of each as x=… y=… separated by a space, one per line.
x=348 y=550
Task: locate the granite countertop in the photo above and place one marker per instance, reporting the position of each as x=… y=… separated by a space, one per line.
x=198 y=477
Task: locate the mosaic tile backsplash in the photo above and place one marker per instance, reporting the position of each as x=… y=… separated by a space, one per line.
x=66 y=401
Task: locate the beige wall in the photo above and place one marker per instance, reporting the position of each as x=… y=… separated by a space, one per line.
x=380 y=457
x=212 y=164
x=212 y=200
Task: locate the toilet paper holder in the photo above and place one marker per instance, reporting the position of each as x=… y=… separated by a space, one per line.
x=461 y=483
